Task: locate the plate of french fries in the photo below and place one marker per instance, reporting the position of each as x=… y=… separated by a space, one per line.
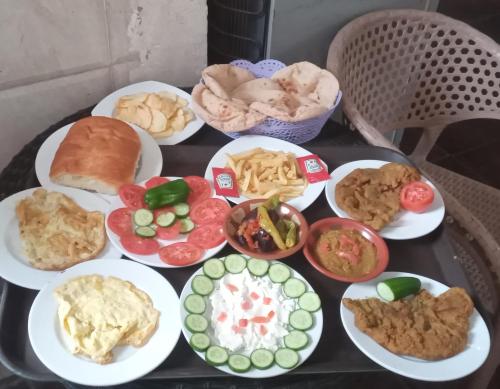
x=265 y=167
x=162 y=110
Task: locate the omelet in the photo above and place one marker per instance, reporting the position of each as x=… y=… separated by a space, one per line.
x=99 y=313
x=56 y=232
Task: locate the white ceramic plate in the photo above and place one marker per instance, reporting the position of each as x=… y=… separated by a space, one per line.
x=314 y=334
x=15 y=265
x=106 y=106
x=452 y=368
x=129 y=363
x=249 y=142
x=154 y=260
x=406 y=225
x=150 y=164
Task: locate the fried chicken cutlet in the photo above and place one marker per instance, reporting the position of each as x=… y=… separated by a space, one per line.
x=424 y=326
x=372 y=195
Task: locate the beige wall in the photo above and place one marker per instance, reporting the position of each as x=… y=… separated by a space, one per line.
x=59 y=56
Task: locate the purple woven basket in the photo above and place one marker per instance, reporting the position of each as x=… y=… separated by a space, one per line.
x=297 y=132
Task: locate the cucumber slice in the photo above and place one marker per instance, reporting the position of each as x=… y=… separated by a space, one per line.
x=196 y=323
x=239 y=363
x=310 y=301
x=143 y=217
x=286 y=358
x=296 y=340
x=216 y=356
x=279 y=273
x=187 y=225
x=145 y=231
x=214 y=268
x=199 y=341
x=262 y=358
x=165 y=219
x=294 y=288
x=181 y=209
x=235 y=263
x=258 y=267
x=397 y=288
x=301 y=320
x=194 y=303
x=202 y=285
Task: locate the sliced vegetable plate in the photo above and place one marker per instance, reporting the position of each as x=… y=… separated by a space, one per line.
x=452 y=368
x=106 y=105
x=406 y=224
x=171 y=236
x=238 y=297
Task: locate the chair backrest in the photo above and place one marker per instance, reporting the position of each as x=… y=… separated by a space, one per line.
x=409 y=68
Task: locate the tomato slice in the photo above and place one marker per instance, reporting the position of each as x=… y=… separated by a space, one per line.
x=207 y=236
x=416 y=196
x=200 y=189
x=155 y=181
x=137 y=245
x=181 y=254
x=120 y=221
x=132 y=196
x=169 y=233
x=209 y=211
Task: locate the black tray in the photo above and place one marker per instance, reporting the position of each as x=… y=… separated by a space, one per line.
x=430 y=256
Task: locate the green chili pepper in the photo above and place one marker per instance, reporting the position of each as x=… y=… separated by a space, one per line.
x=170 y=193
x=282 y=228
x=267 y=224
x=291 y=235
x=272 y=202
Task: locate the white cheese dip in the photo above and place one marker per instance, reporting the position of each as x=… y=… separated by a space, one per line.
x=249 y=312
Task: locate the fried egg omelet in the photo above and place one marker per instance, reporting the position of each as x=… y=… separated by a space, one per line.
x=99 y=313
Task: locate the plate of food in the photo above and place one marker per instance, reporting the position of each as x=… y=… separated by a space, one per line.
x=416 y=326
x=98 y=154
x=392 y=198
x=47 y=230
x=265 y=166
x=104 y=322
x=250 y=317
x=168 y=221
x=162 y=110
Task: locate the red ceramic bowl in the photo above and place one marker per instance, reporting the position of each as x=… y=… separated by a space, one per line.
x=333 y=223
x=236 y=215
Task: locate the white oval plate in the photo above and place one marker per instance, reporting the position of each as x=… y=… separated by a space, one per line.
x=249 y=142
x=406 y=225
x=314 y=333
x=16 y=267
x=105 y=108
x=455 y=367
x=154 y=260
x=129 y=363
x=150 y=164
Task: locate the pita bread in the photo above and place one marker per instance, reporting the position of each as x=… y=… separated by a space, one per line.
x=226 y=115
x=223 y=79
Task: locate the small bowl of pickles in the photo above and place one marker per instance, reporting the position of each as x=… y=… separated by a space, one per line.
x=265 y=229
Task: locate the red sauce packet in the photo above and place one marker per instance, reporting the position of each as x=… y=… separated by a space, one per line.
x=313 y=168
x=225 y=182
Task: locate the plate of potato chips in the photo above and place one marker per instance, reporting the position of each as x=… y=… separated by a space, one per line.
x=162 y=110
x=265 y=166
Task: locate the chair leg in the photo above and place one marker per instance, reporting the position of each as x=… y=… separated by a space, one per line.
x=426 y=142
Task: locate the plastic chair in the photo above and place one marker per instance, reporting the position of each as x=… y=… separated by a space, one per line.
x=407 y=68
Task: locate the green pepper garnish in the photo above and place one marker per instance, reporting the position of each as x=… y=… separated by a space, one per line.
x=272 y=202
x=170 y=193
x=282 y=228
x=291 y=235
x=267 y=225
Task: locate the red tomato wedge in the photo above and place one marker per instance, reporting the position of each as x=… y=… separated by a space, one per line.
x=169 y=233
x=132 y=196
x=181 y=254
x=120 y=221
x=137 y=245
x=416 y=196
x=209 y=211
x=200 y=189
x=155 y=181
x=207 y=236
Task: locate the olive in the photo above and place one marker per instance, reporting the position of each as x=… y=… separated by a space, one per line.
x=266 y=242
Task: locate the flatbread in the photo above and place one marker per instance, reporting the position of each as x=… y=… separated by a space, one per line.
x=223 y=79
